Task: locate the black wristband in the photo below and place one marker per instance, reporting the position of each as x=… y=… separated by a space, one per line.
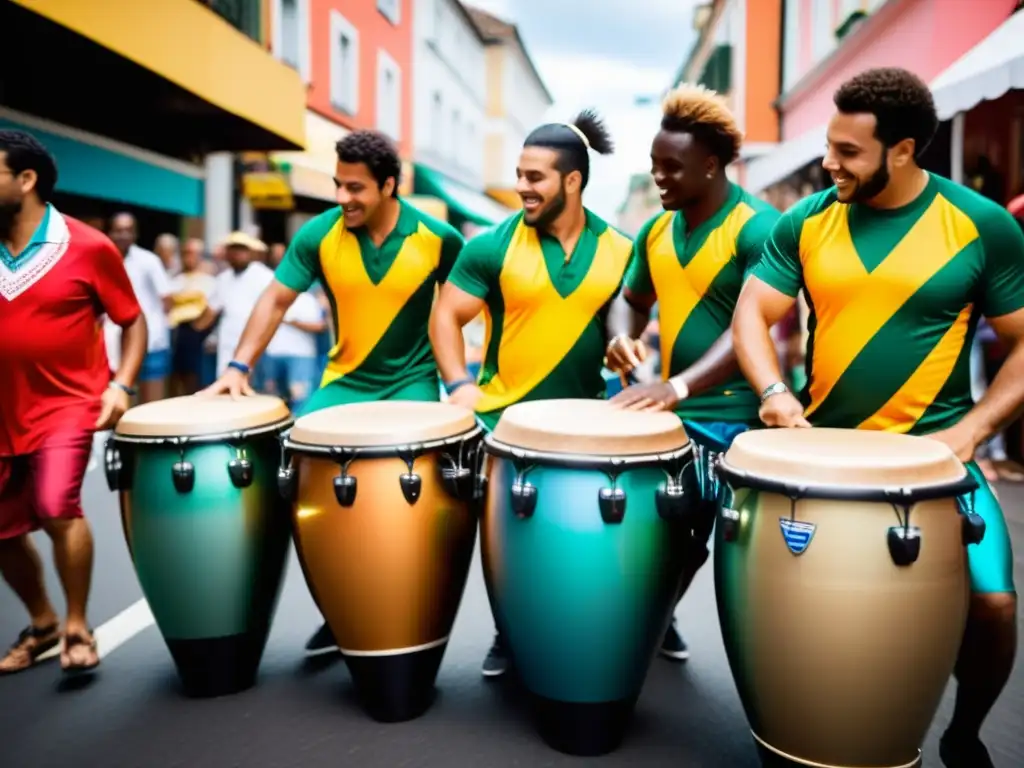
x=130 y=391
x=240 y=367
x=452 y=387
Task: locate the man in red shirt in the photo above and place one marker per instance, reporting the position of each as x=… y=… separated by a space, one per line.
x=58 y=278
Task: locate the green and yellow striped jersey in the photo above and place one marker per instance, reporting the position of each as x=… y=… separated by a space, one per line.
x=545 y=311
x=696 y=277
x=381 y=296
x=895 y=297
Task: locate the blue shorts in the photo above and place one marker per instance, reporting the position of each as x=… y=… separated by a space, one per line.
x=156 y=365
x=293 y=379
x=991 y=561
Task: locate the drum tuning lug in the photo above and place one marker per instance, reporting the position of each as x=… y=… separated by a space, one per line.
x=241 y=473
x=113 y=467
x=904 y=544
x=612 y=503
x=458 y=481
x=183 y=473
x=973 y=528
x=345 y=490
x=670 y=502
x=412 y=485
x=730 y=521
x=286 y=484
x=524 y=499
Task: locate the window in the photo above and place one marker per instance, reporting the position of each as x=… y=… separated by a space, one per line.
x=389 y=95
x=437 y=121
x=392 y=10
x=344 y=64
x=822 y=31
x=291 y=34
x=791 y=44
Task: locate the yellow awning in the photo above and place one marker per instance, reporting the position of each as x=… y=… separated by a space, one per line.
x=191 y=46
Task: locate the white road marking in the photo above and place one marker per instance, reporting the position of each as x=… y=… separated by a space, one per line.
x=111 y=635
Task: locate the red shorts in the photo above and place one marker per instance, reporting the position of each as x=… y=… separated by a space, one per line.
x=43 y=485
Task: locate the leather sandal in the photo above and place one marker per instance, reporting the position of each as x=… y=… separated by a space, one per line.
x=32 y=643
x=78 y=641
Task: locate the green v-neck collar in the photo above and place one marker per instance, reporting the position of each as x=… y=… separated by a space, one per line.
x=567 y=274
x=688 y=244
x=377 y=260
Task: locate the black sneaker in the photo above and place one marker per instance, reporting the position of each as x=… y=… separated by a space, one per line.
x=673 y=646
x=322 y=642
x=958 y=752
x=496 y=663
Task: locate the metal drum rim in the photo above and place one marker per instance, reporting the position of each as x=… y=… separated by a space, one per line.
x=215 y=437
x=394 y=450
x=502 y=450
x=791 y=489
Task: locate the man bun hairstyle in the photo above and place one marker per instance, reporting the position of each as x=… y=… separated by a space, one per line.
x=573 y=142
x=374 y=150
x=703 y=114
x=900 y=101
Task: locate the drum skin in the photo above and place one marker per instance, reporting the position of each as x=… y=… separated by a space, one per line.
x=211 y=560
x=582 y=603
x=387 y=575
x=840 y=656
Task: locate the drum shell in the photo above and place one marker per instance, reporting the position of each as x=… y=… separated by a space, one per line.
x=210 y=561
x=840 y=656
x=582 y=603
x=387 y=575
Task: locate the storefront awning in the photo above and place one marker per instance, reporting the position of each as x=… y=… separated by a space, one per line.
x=786 y=158
x=189 y=45
x=471 y=205
x=987 y=71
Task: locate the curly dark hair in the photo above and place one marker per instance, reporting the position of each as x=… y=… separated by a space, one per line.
x=26 y=153
x=900 y=101
x=374 y=150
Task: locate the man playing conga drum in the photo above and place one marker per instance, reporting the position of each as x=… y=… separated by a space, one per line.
x=545 y=278
x=379 y=260
x=691 y=259
x=898 y=265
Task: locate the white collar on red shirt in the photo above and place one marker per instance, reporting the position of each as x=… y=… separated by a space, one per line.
x=56 y=240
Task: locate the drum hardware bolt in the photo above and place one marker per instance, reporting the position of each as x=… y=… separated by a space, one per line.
x=458 y=480
x=183 y=473
x=286 y=480
x=240 y=469
x=973 y=524
x=904 y=540
x=670 y=500
x=113 y=465
x=410 y=482
x=524 y=494
x=345 y=485
x=730 y=521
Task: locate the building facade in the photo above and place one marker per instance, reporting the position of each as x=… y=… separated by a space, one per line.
x=517 y=101
x=161 y=97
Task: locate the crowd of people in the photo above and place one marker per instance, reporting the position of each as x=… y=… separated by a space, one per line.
x=897 y=291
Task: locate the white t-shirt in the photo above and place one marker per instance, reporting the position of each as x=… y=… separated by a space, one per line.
x=152 y=284
x=234 y=296
x=291 y=342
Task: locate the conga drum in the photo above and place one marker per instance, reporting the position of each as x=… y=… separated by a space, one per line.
x=582 y=539
x=843 y=588
x=207 y=530
x=385 y=525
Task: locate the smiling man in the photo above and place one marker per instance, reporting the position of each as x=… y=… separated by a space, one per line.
x=899 y=265
x=691 y=260
x=544 y=279
x=379 y=261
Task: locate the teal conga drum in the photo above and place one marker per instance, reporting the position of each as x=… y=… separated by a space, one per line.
x=207 y=530
x=582 y=533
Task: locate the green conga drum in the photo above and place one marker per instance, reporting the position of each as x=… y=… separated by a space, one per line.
x=207 y=530
x=586 y=513
x=842 y=584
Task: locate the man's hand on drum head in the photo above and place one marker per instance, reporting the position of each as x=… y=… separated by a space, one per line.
x=466 y=396
x=624 y=354
x=783 y=410
x=660 y=396
x=232 y=382
x=113 y=404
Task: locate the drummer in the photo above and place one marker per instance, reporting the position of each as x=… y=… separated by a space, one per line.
x=544 y=277
x=691 y=259
x=379 y=260
x=898 y=265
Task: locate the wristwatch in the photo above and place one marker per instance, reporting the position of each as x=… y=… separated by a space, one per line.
x=775 y=389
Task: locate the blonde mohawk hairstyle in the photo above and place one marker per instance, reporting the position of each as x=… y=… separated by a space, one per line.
x=704 y=114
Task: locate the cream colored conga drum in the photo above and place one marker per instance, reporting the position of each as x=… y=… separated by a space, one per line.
x=385 y=525
x=842 y=583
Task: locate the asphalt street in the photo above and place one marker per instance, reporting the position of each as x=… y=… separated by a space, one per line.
x=304 y=714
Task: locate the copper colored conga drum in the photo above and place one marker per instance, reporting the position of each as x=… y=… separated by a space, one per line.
x=843 y=589
x=384 y=526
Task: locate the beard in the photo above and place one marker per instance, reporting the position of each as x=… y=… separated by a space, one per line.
x=551 y=212
x=874 y=186
x=8 y=215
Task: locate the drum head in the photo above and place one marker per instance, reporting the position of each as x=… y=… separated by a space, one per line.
x=381 y=424
x=844 y=457
x=589 y=428
x=198 y=415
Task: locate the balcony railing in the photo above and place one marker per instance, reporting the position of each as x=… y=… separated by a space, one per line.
x=243 y=15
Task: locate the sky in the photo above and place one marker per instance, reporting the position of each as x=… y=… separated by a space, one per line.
x=596 y=53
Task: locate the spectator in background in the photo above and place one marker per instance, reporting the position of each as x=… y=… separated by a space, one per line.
x=192 y=289
x=153 y=289
x=167 y=248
